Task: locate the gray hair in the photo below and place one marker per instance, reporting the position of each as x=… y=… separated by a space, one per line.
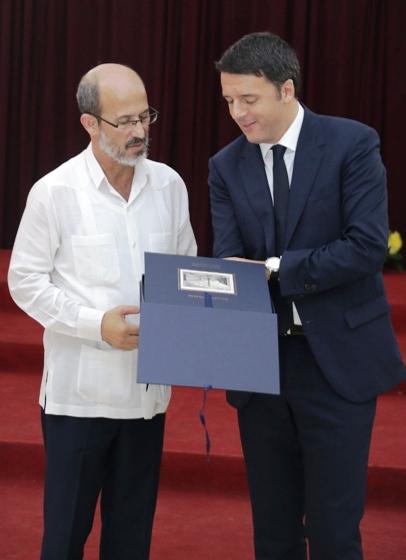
x=88 y=95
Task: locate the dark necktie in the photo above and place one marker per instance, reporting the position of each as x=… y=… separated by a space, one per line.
x=280 y=202
x=280 y=196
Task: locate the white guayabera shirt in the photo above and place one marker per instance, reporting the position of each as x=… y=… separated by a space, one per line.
x=79 y=251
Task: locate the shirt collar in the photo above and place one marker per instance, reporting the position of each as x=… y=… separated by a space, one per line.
x=291 y=136
x=98 y=177
x=95 y=171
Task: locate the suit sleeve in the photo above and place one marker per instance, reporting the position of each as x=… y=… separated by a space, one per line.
x=227 y=237
x=361 y=246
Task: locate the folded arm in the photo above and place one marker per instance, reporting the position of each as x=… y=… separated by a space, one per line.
x=32 y=288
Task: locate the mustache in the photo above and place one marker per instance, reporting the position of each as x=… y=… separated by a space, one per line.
x=135 y=141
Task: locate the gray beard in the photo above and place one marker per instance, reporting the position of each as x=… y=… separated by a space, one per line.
x=119 y=156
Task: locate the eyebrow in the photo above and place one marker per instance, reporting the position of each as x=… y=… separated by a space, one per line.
x=245 y=95
x=133 y=116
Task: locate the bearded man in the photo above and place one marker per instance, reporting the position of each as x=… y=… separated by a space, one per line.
x=75 y=268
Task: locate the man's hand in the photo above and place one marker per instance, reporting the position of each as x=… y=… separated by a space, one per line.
x=241 y=259
x=118 y=332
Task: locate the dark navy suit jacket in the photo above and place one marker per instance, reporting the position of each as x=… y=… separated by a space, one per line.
x=336 y=245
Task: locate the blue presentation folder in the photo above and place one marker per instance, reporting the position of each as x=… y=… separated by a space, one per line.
x=207 y=323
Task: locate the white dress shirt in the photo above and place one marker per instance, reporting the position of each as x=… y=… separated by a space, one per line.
x=289 y=140
x=79 y=251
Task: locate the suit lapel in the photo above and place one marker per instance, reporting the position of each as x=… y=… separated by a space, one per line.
x=308 y=157
x=255 y=183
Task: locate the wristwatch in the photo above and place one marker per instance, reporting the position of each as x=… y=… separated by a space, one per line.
x=272 y=264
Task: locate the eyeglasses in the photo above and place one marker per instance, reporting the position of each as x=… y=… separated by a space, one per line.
x=145 y=119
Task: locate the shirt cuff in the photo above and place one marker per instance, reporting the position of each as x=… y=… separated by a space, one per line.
x=89 y=323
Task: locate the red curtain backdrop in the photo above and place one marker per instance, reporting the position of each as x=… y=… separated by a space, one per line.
x=352 y=54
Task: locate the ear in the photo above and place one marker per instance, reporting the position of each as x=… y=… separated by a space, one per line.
x=288 y=91
x=90 y=124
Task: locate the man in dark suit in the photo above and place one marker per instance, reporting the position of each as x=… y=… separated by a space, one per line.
x=314 y=210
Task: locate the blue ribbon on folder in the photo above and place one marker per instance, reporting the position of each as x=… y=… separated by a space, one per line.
x=208 y=302
x=202 y=418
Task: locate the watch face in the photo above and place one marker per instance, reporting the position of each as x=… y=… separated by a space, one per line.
x=272 y=264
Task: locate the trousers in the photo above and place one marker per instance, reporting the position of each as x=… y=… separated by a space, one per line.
x=88 y=458
x=306 y=453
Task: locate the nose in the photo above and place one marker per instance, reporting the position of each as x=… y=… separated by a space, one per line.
x=238 y=110
x=137 y=130
x=137 y=126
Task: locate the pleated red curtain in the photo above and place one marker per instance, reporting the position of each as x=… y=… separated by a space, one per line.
x=352 y=54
